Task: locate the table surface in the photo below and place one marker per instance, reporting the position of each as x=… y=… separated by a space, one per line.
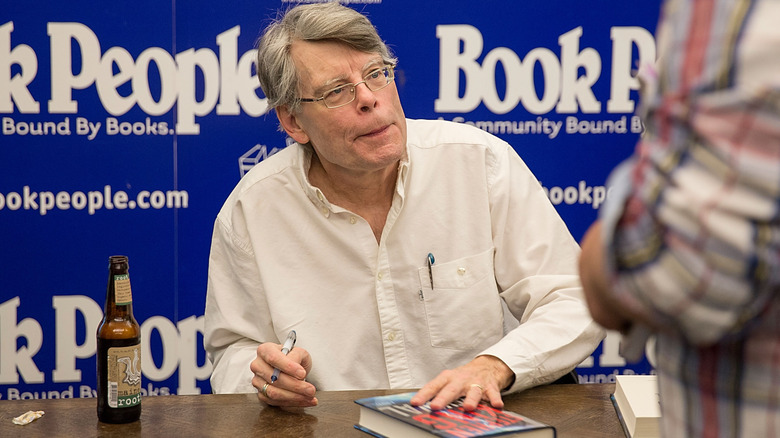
x=580 y=411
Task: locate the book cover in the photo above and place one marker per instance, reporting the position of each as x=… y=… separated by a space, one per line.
x=638 y=405
x=393 y=416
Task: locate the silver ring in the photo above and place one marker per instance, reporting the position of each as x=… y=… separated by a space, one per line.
x=478 y=386
x=265 y=389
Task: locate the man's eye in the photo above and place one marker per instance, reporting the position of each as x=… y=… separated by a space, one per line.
x=337 y=91
x=374 y=74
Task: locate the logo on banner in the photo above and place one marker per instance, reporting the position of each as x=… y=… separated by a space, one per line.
x=229 y=84
x=178 y=353
x=567 y=86
x=258 y=153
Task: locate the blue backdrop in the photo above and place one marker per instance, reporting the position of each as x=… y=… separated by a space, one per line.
x=125 y=126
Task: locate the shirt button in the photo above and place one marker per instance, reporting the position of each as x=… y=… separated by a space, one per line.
x=352 y=220
x=324 y=211
x=461 y=270
x=379 y=276
x=391 y=336
x=319 y=196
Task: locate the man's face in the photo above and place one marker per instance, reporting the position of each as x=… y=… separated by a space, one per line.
x=365 y=135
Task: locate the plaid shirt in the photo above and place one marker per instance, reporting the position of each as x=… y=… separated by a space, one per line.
x=695 y=242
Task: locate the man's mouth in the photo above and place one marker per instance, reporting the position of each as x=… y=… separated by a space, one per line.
x=377 y=131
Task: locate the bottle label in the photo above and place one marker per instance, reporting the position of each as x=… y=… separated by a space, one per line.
x=123 y=294
x=124 y=376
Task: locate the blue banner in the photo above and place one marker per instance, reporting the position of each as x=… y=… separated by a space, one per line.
x=125 y=126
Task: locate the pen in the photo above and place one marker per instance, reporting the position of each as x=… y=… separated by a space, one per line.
x=431 y=261
x=288 y=345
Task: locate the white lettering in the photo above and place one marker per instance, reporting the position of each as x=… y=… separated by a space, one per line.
x=452 y=61
x=512 y=68
x=189 y=344
x=581 y=194
x=568 y=81
x=115 y=58
x=166 y=67
x=63 y=81
x=599 y=195
x=68 y=308
x=181 y=345
x=13 y=200
x=562 y=83
x=623 y=79
x=36 y=128
x=21 y=359
x=47 y=202
x=227 y=79
x=188 y=61
x=170 y=339
x=238 y=84
x=151 y=391
x=14 y=394
x=579 y=94
x=87 y=392
x=94 y=201
x=636 y=125
x=13 y=89
x=552 y=80
x=577 y=126
x=229 y=84
x=78 y=200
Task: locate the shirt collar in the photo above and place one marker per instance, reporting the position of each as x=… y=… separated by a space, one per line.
x=316 y=196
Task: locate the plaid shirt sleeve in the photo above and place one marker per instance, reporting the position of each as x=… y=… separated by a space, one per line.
x=693 y=225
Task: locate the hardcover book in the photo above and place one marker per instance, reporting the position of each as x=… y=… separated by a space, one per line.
x=638 y=405
x=393 y=416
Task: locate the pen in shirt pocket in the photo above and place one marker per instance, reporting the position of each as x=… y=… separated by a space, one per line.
x=431 y=261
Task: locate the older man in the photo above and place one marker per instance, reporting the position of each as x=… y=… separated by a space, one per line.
x=404 y=253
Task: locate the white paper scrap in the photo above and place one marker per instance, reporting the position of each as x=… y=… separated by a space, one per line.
x=28 y=417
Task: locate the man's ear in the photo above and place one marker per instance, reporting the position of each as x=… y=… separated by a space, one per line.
x=289 y=122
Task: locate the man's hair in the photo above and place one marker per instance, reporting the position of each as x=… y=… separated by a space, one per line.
x=312 y=22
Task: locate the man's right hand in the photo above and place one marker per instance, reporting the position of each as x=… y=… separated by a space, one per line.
x=291 y=388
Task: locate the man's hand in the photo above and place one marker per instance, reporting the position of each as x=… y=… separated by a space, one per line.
x=291 y=389
x=481 y=379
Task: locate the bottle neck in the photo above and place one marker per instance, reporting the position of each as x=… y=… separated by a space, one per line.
x=119 y=300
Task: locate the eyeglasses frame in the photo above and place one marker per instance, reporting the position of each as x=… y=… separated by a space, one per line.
x=389 y=67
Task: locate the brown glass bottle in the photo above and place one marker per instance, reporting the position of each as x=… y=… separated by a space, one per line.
x=118 y=350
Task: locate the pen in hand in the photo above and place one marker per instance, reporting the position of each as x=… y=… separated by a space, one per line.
x=288 y=345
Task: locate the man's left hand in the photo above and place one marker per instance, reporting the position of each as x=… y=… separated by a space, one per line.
x=481 y=379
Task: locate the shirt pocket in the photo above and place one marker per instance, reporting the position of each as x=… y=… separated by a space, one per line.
x=463 y=310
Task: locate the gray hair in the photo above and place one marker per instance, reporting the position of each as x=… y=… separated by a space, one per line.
x=312 y=22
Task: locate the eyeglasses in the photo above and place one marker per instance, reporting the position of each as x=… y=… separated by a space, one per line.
x=344 y=94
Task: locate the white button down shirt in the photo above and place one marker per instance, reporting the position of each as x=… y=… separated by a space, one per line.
x=504 y=277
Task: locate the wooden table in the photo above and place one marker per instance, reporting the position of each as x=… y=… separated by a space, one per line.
x=577 y=411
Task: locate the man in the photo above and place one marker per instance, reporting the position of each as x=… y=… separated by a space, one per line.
x=396 y=249
x=691 y=249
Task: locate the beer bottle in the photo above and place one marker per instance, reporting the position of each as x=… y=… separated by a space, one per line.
x=118 y=350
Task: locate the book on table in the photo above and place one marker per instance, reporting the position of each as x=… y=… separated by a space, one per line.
x=393 y=416
x=638 y=405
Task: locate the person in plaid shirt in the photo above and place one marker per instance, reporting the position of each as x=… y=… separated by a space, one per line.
x=688 y=246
